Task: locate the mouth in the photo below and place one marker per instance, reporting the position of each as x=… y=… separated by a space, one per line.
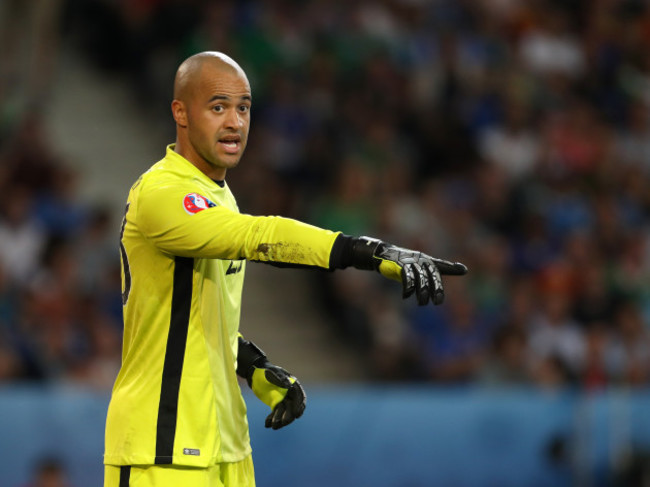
x=230 y=143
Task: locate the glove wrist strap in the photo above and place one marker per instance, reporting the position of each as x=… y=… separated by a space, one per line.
x=364 y=251
x=249 y=357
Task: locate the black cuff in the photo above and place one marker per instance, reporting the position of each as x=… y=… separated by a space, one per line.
x=249 y=356
x=358 y=252
x=341 y=255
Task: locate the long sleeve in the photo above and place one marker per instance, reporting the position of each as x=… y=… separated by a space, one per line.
x=218 y=232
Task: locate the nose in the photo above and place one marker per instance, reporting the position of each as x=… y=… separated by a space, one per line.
x=233 y=119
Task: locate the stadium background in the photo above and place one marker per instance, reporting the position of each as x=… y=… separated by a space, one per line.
x=510 y=135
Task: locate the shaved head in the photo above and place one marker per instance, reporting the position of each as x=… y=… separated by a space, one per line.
x=190 y=72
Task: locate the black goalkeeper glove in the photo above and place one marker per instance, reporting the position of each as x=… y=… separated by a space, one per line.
x=273 y=385
x=419 y=273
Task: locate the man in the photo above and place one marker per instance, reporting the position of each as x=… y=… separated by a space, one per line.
x=177 y=416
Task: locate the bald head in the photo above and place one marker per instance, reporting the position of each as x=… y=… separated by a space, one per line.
x=191 y=71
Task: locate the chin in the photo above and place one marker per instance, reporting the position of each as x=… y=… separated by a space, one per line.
x=232 y=163
x=226 y=164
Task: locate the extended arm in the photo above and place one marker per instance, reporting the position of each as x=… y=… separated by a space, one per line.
x=220 y=233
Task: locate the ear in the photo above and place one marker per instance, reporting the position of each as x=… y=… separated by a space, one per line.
x=179 y=113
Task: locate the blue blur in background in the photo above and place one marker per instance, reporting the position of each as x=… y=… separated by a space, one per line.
x=380 y=436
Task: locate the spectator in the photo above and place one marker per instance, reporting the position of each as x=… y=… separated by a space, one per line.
x=22 y=238
x=552 y=48
x=630 y=349
x=513 y=146
x=554 y=335
x=49 y=472
x=506 y=363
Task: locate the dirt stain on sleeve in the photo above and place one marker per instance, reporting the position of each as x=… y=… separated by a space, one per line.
x=289 y=252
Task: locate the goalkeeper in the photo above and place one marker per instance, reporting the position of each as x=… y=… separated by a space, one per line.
x=177 y=415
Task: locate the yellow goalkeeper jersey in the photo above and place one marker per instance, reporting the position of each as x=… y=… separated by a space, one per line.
x=176 y=399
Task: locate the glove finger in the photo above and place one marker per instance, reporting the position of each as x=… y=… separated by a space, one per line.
x=269 y=420
x=408 y=280
x=421 y=285
x=287 y=418
x=293 y=407
x=437 y=289
x=447 y=268
x=298 y=399
x=273 y=420
x=282 y=416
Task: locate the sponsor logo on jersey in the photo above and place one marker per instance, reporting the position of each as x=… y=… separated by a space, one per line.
x=234 y=267
x=194 y=202
x=192 y=451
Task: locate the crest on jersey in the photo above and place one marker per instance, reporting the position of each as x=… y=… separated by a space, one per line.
x=194 y=202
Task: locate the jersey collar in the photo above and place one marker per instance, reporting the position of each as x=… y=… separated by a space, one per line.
x=175 y=158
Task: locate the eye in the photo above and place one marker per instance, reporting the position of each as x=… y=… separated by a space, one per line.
x=218 y=108
x=244 y=108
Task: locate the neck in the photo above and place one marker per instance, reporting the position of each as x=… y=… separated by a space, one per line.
x=188 y=152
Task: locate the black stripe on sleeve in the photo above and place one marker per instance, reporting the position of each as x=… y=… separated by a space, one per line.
x=125 y=474
x=341 y=254
x=174 y=355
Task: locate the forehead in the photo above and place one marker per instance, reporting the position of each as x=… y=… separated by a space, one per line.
x=219 y=80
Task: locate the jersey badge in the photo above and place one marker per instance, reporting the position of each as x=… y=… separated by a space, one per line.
x=194 y=202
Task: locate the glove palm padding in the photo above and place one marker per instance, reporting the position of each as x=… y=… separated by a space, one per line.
x=279 y=390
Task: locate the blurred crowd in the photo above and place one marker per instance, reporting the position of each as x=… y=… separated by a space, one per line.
x=511 y=136
x=60 y=305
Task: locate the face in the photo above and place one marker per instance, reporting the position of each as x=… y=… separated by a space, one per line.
x=215 y=120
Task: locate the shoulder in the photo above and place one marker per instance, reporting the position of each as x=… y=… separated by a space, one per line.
x=161 y=179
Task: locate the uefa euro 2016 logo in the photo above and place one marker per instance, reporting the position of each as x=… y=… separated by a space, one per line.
x=194 y=202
